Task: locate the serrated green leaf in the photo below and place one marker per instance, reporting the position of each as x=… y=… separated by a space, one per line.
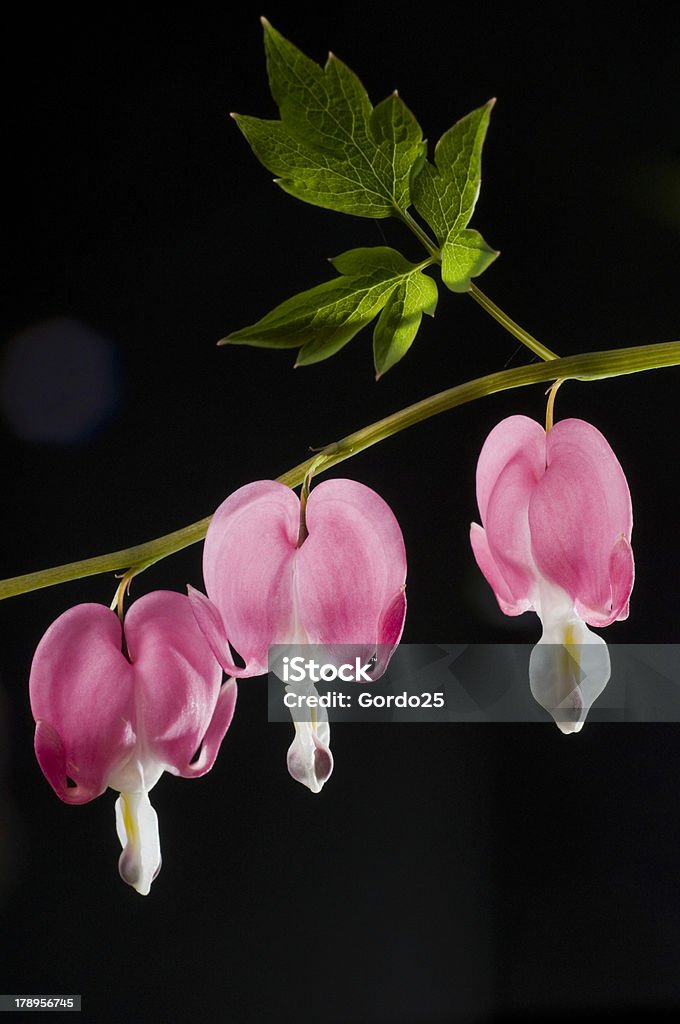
x=400 y=319
x=445 y=194
x=320 y=320
x=310 y=97
x=465 y=254
x=323 y=319
x=379 y=258
x=400 y=141
x=331 y=148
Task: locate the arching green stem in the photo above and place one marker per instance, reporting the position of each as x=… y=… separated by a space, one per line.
x=592 y=366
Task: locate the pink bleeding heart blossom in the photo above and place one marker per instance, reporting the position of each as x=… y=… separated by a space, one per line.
x=119 y=706
x=555 y=539
x=337 y=580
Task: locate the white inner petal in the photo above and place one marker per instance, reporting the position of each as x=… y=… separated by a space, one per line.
x=135 y=774
x=569 y=666
x=137 y=822
x=309 y=758
x=137 y=827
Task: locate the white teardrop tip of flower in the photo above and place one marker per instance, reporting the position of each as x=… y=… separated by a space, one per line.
x=137 y=828
x=309 y=758
x=568 y=670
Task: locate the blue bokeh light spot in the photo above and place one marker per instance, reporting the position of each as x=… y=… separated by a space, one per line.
x=59 y=382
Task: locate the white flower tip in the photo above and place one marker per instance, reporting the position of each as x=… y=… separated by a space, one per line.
x=568 y=728
x=309 y=758
x=568 y=670
x=137 y=827
x=570 y=713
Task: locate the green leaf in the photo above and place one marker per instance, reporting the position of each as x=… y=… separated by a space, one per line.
x=465 y=254
x=400 y=319
x=331 y=148
x=445 y=194
x=322 y=319
x=380 y=258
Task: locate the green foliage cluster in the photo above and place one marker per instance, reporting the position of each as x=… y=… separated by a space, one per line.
x=332 y=148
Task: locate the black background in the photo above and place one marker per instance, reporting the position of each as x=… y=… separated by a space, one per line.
x=444 y=873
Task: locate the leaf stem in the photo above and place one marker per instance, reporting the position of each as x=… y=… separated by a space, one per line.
x=497 y=313
x=591 y=366
x=420 y=234
x=533 y=344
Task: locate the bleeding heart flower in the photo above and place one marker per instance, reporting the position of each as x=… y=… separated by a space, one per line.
x=333 y=576
x=118 y=707
x=557 y=521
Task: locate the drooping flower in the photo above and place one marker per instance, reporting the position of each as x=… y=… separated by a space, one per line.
x=117 y=706
x=335 y=576
x=555 y=539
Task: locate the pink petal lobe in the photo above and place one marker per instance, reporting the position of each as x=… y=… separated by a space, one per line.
x=51 y=756
x=177 y=678
x=512 y=437
x=493 y=575
x=219 y=723
x=621 y=575
x=578 y=514
x=247 y=566
x=391 y=624
x=507 y=524
x=209 y=622
x=350 y=571
x=390 y=628
x=82 y=697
